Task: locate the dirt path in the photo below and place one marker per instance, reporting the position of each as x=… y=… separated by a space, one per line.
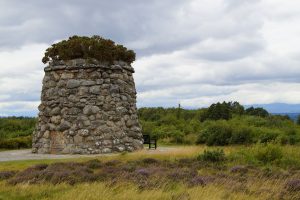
x=26 y=154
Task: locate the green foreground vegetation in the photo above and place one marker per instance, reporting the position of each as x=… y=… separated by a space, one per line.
x=184 y=172
x=220 y=124
x=222 y=152
x=15 y=132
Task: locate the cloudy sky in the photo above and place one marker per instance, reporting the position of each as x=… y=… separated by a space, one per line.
x=195 y=52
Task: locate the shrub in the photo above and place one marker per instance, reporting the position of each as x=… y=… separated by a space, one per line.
x=218 y=111
x=241 y=135
x=268 y=137
x=150 y=161
x=216 y=134
x=268 y=153
x=16 y=143
x=94 y=47
x=257 y=112
x=94 y=164
x=216 y=155
x=143 y=172
x=298 y=120
x=177 y=137
x=239 y=169
x=6 y=174
x=293 y=185
x=55 y=173
x=198 y=180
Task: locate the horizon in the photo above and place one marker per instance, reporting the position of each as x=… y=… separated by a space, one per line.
x=269 y=107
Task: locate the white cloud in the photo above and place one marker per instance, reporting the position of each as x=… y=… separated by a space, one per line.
x=21 y=73
x=195 y=52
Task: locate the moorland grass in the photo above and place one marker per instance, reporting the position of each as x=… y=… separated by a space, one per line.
x=244 y=174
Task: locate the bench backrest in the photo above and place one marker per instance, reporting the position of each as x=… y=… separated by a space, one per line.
x=146 y=139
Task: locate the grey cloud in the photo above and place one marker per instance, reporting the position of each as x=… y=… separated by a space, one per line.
x=47 y=21
x=195 y=51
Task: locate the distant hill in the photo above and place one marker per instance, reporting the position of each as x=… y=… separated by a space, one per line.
x=293 y=116
x=278 y=107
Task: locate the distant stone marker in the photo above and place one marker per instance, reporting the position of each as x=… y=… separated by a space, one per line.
x=87 y=107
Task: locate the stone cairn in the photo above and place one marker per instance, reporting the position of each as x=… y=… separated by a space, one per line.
x=87 y=107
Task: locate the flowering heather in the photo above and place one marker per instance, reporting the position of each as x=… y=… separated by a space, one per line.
x=293 y=185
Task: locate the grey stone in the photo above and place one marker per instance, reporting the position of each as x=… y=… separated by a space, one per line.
x=83 y=90
x=64 y=126
x=95 y=89
x=46 y=134
x=71 y=133
x=89 y=110
x=88 y=83
x=106 y=150
x=73 y=98
x=78 y=139
x=120 y=148
x=86 y=123
x=67 y=76
x=130 y=122
x=55 y=111
x=74 y=111
x=55 y=119
x=83 y=132
x=61 y=83
x=73 y=83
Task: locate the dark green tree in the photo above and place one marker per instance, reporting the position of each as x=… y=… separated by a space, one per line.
x=218 y=111
x=298 y=120
x=236 y=108
x=257 y=112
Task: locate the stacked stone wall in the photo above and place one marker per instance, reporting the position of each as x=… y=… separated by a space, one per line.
x=87 y=108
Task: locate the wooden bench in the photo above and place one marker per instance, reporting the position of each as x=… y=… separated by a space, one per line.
x=151 y=141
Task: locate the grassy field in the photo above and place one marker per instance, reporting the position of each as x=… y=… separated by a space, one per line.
x=256 y=172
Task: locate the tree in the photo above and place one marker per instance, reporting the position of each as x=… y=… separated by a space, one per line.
x=217 y=111
x=257 y=112
x=179 y=111
x=237 y=108
x=298 y=120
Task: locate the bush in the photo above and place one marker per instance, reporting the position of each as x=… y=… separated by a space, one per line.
x=16 y=143
x=298 y=120
x=216 y=155
x=6 y=174
x=177 y=137
x=293 y=185
x=216 y=134
x=241 y=135
x=94 y=47
x=11 y=127
x=268 y=153
x=257 y=112
x=268 y=137
x=218 y=111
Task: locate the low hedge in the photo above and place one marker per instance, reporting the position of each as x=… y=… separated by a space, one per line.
x=16 y=143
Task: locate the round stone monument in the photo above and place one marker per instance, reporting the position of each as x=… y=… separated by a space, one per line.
x=87 y=107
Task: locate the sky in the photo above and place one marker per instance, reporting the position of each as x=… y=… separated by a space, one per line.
x=192 y=52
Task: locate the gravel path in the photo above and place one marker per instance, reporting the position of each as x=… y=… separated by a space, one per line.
x=26 y=154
